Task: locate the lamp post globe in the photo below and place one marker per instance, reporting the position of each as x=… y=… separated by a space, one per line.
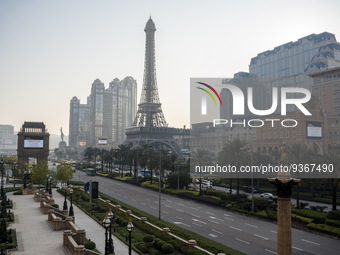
x=71 y=212
x=110 y=215
x=129 y=228
x=106 y=224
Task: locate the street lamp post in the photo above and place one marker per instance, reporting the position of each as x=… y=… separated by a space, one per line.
x=65 y=201
x=50 y=185
x=129 y=228
x=110 y=215
x=107 y=224
x=71 y=212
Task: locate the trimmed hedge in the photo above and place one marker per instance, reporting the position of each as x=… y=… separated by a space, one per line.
x=333 y=223
x=301 y=219
x=318 y=217
x=334 y=215
x=325 y=229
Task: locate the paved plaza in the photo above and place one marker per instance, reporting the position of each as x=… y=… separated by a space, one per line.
x=35 y=236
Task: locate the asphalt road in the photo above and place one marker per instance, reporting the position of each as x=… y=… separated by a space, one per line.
x=246 y=234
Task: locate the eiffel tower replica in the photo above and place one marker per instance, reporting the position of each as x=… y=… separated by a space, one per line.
x=150 y=125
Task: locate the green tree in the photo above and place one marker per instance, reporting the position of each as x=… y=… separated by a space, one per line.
x=178 y=179
x=39 y=173
x=333 y=157
x=200 y=158
x=236 y=153
x=64 y=173
x=88 y=154
x=298 y=153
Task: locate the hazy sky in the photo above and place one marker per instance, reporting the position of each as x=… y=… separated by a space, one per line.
x=51 y=51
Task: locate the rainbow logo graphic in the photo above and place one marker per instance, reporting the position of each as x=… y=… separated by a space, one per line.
x=210 y=91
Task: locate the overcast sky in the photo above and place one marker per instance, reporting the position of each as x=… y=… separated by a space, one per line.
x=51 y=51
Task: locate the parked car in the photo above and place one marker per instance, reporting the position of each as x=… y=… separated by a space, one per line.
x=248 y=189
x=267 y=195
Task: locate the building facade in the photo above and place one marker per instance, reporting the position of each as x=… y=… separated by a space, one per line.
x=8 y=140
x=312 y=62
x=105 y=116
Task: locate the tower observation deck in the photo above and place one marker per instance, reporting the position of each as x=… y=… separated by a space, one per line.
x=149 y=125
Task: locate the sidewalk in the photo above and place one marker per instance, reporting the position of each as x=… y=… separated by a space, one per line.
x=36 y=237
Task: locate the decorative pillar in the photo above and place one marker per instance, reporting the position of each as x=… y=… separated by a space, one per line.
x=284 y=187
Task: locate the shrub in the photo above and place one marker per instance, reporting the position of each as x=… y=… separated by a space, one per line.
x=324 y=228
x=261 y=203
x=156 y=241
x=160 y=244
x=167 y=248
x=318 y=217
x=55 y=205
x=333 y=223
x=301 y=219
x=334 y=215
x=148 y=239
x=90 y=245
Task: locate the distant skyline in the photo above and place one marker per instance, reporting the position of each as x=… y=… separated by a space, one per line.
x=51 y=51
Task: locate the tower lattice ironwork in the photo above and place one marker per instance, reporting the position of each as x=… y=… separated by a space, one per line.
x=150 y=112
x=150 y=125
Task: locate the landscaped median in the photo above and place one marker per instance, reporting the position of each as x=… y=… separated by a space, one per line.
x=166 y=238
x=322 y=222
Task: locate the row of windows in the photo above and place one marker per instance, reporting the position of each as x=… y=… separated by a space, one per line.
x=278 y=135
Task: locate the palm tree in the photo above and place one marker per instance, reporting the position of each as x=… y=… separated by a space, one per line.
x=88 y=154
x=235 y=153
x=123 y=150
x=298 y=153
x=200 y=158
x=333 y=157
x=144 y=155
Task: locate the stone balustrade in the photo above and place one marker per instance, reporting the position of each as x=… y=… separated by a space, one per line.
x=73 y=247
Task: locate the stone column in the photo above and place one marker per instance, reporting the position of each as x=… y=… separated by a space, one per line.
x=284 y=188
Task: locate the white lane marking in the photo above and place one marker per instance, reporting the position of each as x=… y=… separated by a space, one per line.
x=197 y=224
x=242 y=241
x=195 y=216
x=181 y=223
x=194 y=208
x=165 y=212
x=271 y=251
x=199 y=221
x=275 y=232
x=180 y=204
x=297 y=248
x=179 y=210
x=229 y=219
x=133 y=200
x=214 y=218
x=217 y=231
x=227 y=215
x=153 y=207
x=167 y=206
x=210 y=213
x=169 y=200
x=235 y=228
x=250 y=225
x=265 y=238
x=212 y=235
x=307 y=241
x=143 y=203
x=179 y=218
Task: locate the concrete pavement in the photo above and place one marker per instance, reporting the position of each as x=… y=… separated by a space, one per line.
x=36 y=237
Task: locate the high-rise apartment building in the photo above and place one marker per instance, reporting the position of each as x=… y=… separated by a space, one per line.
x=106 y=115
x=120 y=108
x=8 y=140
x=96 y=105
